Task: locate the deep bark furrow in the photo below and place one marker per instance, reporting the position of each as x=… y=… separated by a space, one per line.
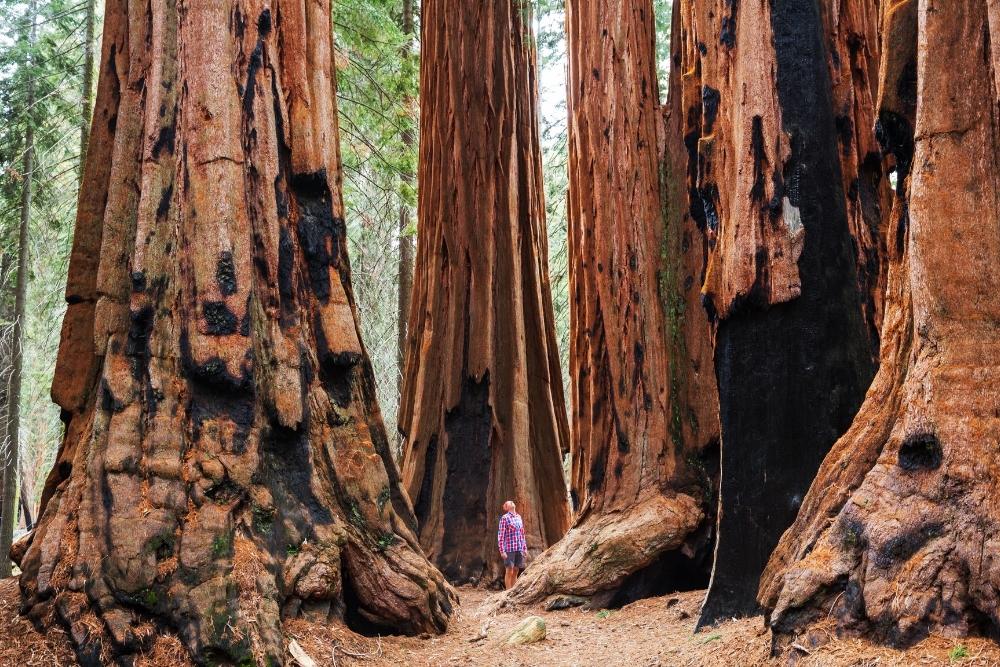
x=895 y=535
x=482 y=410
x=779 y=111
x=225 y=465
x=644 y=404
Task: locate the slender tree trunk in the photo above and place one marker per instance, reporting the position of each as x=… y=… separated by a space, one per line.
x=645 y=417
x=87 y=89
x=6 y=361
x=778 y=106
x=225 y=465
x=897 y=535
x=483 y=412
x=9 y=505
x=9 y=455
x=405 y=279
x=26 y=513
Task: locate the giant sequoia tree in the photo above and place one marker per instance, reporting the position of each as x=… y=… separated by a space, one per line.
x=899 y=533
x=785 y=180
x=482 y=404
x=224 y=462
x=645 y=416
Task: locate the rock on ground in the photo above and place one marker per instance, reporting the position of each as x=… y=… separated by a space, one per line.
x=530 y=630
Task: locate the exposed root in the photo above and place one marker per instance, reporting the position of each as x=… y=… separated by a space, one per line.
x=898 y=537
x=324 y=642
x=599 y=553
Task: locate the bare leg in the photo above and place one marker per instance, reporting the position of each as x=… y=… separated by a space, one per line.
x=509 y=577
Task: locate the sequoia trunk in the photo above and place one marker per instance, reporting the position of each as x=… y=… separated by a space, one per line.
x=785 y=182
x=482 y=412
x=899 y=532
x=645 y=413
x=224 y=464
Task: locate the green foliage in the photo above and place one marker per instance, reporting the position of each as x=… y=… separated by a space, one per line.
x=378 y=76
x=47 y=70
x=385 y=541
x=356 y=517
x=161 y=545
x=551 y=40
x=263 y=518
x=377 y=93
x=662 y=11
x=604 y=613
x=383 y=499
x=378 y=80
x=958 y=653
x=222 y=544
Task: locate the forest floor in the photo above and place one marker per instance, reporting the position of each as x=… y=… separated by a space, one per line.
x=653 y=632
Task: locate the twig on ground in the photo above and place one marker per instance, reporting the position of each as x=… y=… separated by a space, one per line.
x=835 y=600
x=377 y=653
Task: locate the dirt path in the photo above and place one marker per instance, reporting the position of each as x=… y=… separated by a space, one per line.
x=657 y=631
x=653 y=632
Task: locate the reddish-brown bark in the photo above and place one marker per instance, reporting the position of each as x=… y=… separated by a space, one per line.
x=784 y=179
x=645 y=416
x=482 y=407
x=898 y=533
x=224 y=464
x=853 y=62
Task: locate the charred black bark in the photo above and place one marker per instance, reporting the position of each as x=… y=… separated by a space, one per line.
x=792 y=376
x=468 y=462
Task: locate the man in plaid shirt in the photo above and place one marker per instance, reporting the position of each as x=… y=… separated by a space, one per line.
x=510 y=538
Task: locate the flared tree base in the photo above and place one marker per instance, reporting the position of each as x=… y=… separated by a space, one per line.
x=230 y=610
x=899 y=534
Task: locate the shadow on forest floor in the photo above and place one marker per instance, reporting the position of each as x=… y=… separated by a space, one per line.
x=655 y=631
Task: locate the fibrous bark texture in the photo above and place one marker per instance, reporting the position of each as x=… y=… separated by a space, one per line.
x=899 y=533
x=224 y=463
x=482 y=407
x=645 y=415
x=784 y=180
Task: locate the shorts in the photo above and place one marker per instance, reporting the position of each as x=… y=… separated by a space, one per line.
x=514 y=559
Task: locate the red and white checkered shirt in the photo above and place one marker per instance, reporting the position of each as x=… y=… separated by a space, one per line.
x=510 y=536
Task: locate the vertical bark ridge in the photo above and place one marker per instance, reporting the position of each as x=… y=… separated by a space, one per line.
x=645 y=416
x=483 y=412
x=225 y=465
x=853 y=45
x=896 y=535
x=766 y=86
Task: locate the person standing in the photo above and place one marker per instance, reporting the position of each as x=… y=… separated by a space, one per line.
x=513 y=548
